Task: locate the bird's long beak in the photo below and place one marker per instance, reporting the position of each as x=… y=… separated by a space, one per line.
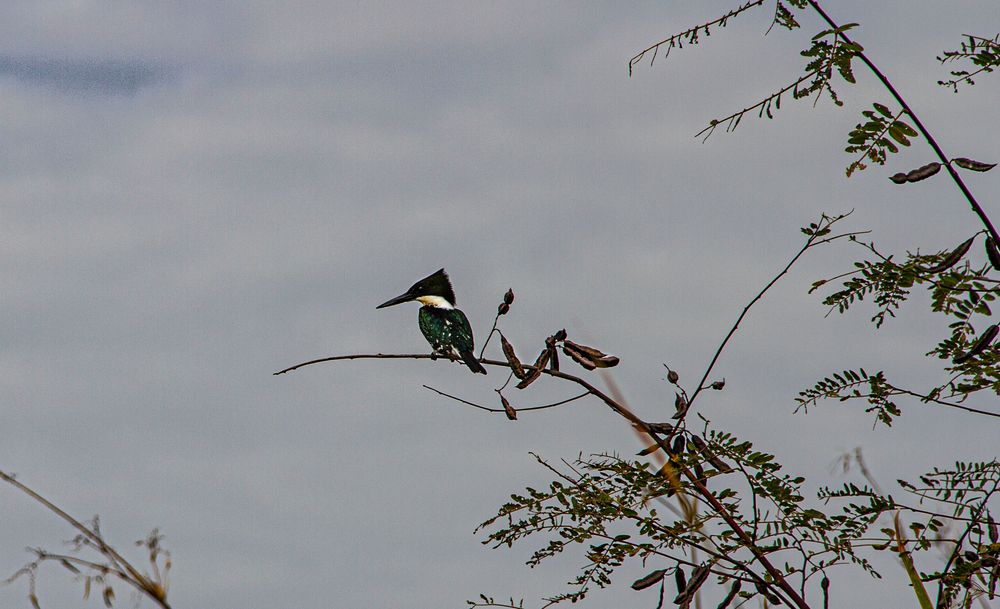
x=395 y=301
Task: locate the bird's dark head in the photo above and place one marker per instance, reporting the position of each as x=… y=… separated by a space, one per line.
x=433 y=291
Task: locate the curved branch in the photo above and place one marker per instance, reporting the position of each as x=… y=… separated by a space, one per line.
x=488 y=409
x=920 y=126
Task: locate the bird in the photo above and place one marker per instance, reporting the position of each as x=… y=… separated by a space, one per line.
x=445 y=327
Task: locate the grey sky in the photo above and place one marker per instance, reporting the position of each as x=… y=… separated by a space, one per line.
x=195 y=195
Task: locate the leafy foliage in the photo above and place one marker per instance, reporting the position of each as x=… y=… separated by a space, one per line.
x=877 y=137
x=982 y=53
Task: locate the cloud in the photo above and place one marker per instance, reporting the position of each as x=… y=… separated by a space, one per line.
x=110 y=77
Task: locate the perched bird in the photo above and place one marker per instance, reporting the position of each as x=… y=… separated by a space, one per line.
x=446 y=328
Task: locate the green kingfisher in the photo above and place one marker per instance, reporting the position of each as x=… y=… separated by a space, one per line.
x=446 y=328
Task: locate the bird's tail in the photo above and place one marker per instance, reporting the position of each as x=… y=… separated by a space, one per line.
x=473 y=363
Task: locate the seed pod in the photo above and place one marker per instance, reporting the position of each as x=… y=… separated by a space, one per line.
x=992 y=253
x=965 y=163
x=109 y=597
x=680 y=405
x=578 y=357
x=718 y=385
x=825 y=585
x=698 y=577
x=588 y=351
x=536 y=370
x=680 y=580
x=672 y=376
x=979 y=346
x=699 y=473
x=992 y=524
x=733 y=591
x=678 y=446
x=952 y=258
x=515 y=364
x=560 y=335
x=508 y=298
x=508 y=409
x=503 y=309
x=971 y=556
x=661 y=428
x=920 y=173
x=542 y=360
x=770 y=596
x=649 y=580
x=553 y=358
x=716 y=462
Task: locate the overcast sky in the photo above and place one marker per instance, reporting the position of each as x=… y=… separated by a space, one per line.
x=194 y=195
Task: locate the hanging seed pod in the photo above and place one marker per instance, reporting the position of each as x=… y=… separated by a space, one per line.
x=979 y=346
x=680 y=406
x=992 y=253
x=952 y=258
x=920 y=173
x=678 y=446
x=649 y=580
x=680 y=580
x=719 y=385
x=971 y=165
x=578 y=356
x=992 y=526
x=515 y=364
x=503 y=309
x=508 y=298
x=698 y=577
x=536 y=370
x=553 y=357
x=716 y=462
x=542 y=360
x=733 y=591
x=560 y=335
x=672 y=376
x=508 y=409
x=825 y=585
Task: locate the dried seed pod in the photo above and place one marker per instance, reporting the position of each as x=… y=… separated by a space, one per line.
x=553 y=358
x=952 y=258
x=590 y=352
x=979 y=346
x=678 y=446
x=680 y=405
x=733 y=591
x=971 y=556
x=503 y=309
x=649 y=580
x=536 y=370
x=920 y=173
x=560 y=335
x=672 y=376
x=680 y=580
x=719 y=385
x=608 y=361
x=515 y=364
x=542 y=360
x=992 y=253
x=578 y=357
x=698 y=577
x=508 y=409
x=972 y=165
x=661 y=428
x=508 y=298
x=712 y=458
x=992 y=525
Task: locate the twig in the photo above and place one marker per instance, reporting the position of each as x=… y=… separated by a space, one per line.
x=488 y=409
x=920 y=126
